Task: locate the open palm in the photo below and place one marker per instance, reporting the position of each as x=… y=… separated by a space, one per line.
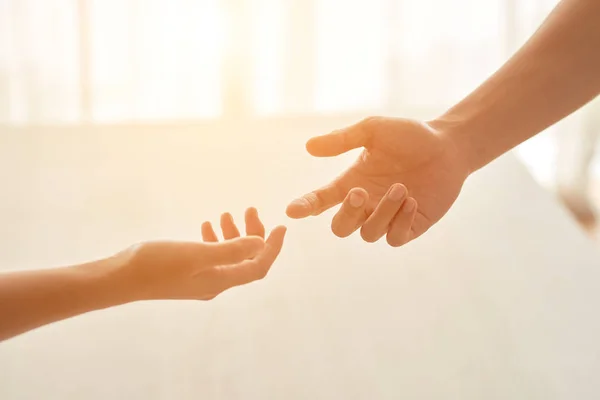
x=404 y=181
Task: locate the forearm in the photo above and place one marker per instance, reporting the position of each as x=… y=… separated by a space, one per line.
x=556 y=72
x=30 y=299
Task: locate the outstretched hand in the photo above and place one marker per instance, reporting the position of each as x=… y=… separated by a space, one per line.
x=404 y=181
x=201 y=271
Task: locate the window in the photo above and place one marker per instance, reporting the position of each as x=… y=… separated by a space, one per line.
x=107 y=61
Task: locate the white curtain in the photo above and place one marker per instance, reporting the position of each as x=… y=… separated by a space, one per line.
x=103 y=61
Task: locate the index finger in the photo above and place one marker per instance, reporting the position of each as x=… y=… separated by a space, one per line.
x=316 y=202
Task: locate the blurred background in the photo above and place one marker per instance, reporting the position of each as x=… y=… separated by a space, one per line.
x=137 y=65
x=128 y=120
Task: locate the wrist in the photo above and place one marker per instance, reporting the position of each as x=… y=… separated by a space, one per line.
x=461 y=138
x=105 y=281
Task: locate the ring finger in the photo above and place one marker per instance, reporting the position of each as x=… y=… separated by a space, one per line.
x=352 y=214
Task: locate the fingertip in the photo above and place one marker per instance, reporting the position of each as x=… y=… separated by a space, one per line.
x=254 y=226
x=393 y=242
x=250 y=216
x=275 y=239
x=338 y=231
x=397 y=192
x=226 y=217
x=359 y=191
x=400 y=230
x=278 y=232
x=208 y=233
x=312 y=145
x=357 y=197
x=321 y=146
x=410 y=205
x=367 y=237
x=297 y=209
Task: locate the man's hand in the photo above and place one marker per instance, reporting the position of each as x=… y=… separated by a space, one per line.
x=405 y=180
x=196 y=270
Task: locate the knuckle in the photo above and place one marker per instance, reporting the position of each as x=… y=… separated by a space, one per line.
x=344 y=223
x=313 y=199
x=347 y=213
x=368 y=122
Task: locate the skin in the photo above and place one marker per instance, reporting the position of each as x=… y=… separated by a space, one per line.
x=556 y=72
x=146 y=271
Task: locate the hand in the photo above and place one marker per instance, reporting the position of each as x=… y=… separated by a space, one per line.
x=201 y=271
x=405 y=180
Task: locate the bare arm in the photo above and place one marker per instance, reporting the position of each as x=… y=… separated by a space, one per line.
x=148 y=271
x=556 y=72
x=30 y=299
x=553 y=74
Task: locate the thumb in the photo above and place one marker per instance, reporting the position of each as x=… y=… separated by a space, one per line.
x=233 y=251
x=339 y=141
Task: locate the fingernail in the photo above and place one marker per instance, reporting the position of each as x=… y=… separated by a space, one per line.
x=356 y=200
x=300 y=202
x=409 y=205
x=397 y=193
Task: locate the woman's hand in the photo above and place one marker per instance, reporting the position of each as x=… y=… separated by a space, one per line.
x=147 y=271
x=202 y=270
